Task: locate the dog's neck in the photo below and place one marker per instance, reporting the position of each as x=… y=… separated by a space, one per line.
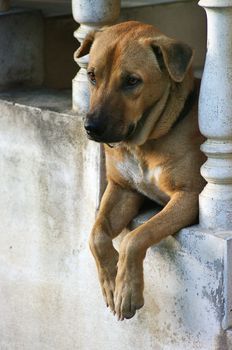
x=176 y=107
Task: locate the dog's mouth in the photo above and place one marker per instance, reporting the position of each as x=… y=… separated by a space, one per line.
x=130 y=132
x=106 y=139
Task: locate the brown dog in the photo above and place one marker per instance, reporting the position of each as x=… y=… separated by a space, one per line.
x=144 y=108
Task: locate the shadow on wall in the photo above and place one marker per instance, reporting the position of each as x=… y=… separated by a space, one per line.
x=59 y=46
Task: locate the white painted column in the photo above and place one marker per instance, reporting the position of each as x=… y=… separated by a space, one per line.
x=4 y=5
x=91 y=15
x=215 y=117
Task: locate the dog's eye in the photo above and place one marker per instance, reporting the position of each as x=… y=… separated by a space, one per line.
x=92 y=77
x=132 y=81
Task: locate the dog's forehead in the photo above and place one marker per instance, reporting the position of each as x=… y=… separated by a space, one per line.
x=132 y=29
x=118 y=43
x=123 y=52
x=128 y=34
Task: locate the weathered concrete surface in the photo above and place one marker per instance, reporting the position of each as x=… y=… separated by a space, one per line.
x=21 y=48
x=49 y=293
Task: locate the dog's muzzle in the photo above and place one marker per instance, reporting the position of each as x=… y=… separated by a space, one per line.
x=94 y=128
x=97 y=131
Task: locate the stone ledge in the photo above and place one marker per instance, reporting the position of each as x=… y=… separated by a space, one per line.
x=198 y=243
x=59 y=101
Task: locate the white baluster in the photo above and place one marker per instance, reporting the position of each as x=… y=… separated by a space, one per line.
x=91 y=15
x=215 y=117
x=4 y=5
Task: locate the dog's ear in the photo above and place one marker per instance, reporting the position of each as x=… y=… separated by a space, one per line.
x=86 y=45
x=175 y=56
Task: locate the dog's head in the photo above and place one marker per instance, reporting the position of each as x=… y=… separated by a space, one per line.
x=131 y=69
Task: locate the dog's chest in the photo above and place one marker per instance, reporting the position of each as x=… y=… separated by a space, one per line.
x=144 y=179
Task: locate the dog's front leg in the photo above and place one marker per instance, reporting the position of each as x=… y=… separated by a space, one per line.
x=117 y=209
x=181 y=211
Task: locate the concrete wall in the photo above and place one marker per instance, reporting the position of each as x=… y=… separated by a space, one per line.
x=49 y=292
x=44 y=159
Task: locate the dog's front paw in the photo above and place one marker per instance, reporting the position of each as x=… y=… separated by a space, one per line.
x=106 y=257
x=128 y=293
x=107 y=274
x=107 y=282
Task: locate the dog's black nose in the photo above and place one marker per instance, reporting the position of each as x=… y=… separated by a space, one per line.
x=94 y=127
